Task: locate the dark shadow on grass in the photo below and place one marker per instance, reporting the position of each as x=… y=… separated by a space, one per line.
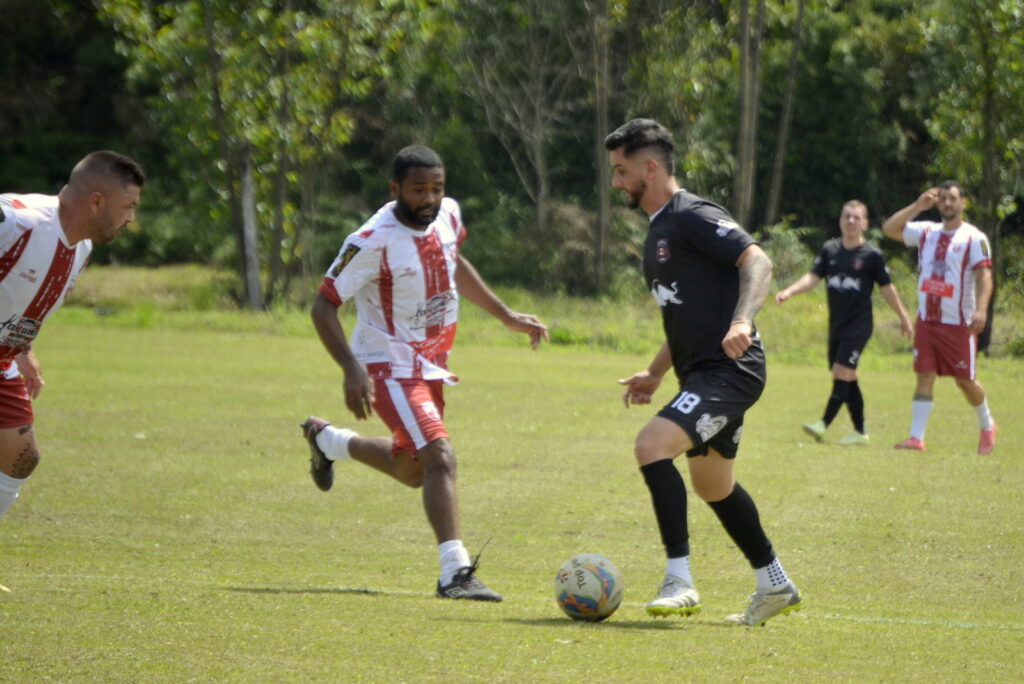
x=611 y=623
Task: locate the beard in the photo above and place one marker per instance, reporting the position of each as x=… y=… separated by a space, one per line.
x=420 y=216
x=634 y=195
x=948 y=215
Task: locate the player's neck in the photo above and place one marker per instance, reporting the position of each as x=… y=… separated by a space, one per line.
x=67 y=221
x=952 y=224
x=853 y=242
x=657 y=197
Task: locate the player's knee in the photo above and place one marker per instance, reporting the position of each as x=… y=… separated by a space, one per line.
x=647 y=451
x=411 y=478
x=711 y=490
x=437 y=457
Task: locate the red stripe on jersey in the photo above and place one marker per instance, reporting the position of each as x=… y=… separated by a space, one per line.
x=18 y=204
x=12 y=255
x=435 y=279
x=327 y=290
x=933 y=302
x=386 y=287
x=964 y=263
x=53 y=285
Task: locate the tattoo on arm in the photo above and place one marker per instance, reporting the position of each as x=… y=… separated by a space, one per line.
x=755 y=281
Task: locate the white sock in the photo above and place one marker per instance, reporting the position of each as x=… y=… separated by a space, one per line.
x=771 y=577
x=984 y=415
x=9 y=487
x=680 y=567
x=920 y=410
x=453 y=556
x=334 y=442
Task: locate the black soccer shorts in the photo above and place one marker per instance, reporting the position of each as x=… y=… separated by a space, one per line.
x=710 y=408
x=846 y=351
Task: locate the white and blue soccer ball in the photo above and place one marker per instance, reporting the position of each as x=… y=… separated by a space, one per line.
x=589 y=587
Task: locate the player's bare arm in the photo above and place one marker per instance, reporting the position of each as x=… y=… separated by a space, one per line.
x=472 y=287
x=894 y=225
x=28 y=365
x=641 y=386
x=983 y=290
x=806 y=282
x=755 y=279
x=892 y=298
x=357 y=386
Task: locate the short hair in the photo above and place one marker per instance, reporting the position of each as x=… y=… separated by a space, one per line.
x=414 y=156
x=109 y=166
x=857 y=203
x=639 y=134
x=947 y=184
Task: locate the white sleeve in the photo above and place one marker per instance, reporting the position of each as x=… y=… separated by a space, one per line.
x=9 y=230
x=357 y=263
x=912 y=232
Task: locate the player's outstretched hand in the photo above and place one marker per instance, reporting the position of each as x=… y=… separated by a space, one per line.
x=359 y=393
x=530 y=325
x=737 y=340
x=640 y=387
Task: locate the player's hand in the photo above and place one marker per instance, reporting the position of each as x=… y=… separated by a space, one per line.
x=28 y=365
x=928 y=199
x=782 y=296
x=907 y=328
x=738 y=339
x=640 y=387
x=359 y=393
x=530 y=325
x=978 y=320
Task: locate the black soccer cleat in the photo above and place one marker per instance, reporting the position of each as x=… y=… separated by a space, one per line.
x=466 y=585
x=320 y=467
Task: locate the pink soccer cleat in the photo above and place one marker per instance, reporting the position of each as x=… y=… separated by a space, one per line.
x=987 y=440
x=912 y=443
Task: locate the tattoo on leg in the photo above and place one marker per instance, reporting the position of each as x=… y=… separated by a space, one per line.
x=24 y=428
x=26 y=462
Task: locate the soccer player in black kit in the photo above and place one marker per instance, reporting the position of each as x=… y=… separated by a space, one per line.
x=850 y=267
x=709 y=277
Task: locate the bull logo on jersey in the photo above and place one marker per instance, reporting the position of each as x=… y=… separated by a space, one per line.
x=664 y=295
x=842 y=283
x=662 y=253
x=708 y=426
x=725 y=226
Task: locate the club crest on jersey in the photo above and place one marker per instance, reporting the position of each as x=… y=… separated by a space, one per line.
x=858 y=264
x=662 y=253
x=708 y=426
x=664 y=295
x=346 y=257
x=725 y=226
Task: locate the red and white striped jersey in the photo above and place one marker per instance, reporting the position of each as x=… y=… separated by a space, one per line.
x=946 y=264
x=37 y=270
x=403 y=284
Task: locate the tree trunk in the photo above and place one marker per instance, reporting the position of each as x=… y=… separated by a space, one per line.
x=604 y=205
x=771 y=212
x=250 y=244
x=746 y=148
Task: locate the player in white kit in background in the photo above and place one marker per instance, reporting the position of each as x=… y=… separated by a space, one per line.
x=45 y=242
x=405 y=274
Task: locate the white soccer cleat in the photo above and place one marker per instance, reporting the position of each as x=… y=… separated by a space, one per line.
x=854 y=439
x=817 y=430
x=675 y=597
x=763 y=607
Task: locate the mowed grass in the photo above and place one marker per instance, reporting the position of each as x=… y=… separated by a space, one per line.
x=172 y=534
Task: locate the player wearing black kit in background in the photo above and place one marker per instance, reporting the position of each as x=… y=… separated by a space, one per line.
x=709 y=277
x=850 y=267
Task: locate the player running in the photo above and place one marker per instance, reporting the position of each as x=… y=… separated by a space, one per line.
x=709 y=277
x=954 y=286
x=850 y=267
x=404 y=272
x=45 y=242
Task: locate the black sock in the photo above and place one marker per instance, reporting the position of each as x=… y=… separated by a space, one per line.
x=739 y=517
x=669 y=496
x=840 y=392
x=855 y=402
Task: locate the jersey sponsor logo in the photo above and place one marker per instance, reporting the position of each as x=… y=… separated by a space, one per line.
x=30 y=275
x=662 y=253
x=708 y=426
x=664 y=295
x=19 y=331
x=724 y=226
x=346 y=257
x=843 y=283
x=937 y=287
x=432 y=311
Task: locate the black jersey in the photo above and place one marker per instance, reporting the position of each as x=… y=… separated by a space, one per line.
x=690 y=267
x=850 y=276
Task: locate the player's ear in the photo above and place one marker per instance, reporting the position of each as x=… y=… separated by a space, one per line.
x=96 y=201
x=393 y=186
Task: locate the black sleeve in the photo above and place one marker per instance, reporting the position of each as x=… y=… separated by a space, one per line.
x=879 y=271
x=716 y=234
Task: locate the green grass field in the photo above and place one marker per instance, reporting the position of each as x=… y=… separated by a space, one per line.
x=172 y=534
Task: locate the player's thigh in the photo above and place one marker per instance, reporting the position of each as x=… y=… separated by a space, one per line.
x=413 y=410
x=711 y=475
x=660 y=439
x=19 y=453
x=846 y=355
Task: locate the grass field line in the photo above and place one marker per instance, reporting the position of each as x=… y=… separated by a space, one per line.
x=293 y=589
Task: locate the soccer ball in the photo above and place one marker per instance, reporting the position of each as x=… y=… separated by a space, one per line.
x=589 y=587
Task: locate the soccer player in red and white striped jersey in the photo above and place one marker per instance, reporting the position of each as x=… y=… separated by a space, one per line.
x=45 y=242
x=404 y=272
x=954 y=287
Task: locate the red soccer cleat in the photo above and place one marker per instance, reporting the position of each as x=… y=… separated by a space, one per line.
x=912 y=443
x=987 y=440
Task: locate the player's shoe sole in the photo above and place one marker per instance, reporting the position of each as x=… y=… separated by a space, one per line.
x=675 y=597
x=321 y=469
x=763 y=607
x=854 y=439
